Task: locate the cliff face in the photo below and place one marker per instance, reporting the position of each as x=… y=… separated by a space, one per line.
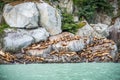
x=70 y=7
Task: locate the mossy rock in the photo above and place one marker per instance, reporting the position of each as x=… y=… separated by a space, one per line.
x=81 y=24
x=2 y=27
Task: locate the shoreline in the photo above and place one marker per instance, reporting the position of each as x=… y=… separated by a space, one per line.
x=39 y=60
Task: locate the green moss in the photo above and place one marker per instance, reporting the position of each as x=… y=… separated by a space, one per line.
x=81 y=24
x=2 y=27
x=70 y=27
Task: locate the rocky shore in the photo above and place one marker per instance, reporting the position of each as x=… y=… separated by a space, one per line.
x=35 y=35
x=99 y=50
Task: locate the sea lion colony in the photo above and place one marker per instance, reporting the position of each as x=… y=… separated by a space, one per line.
x=97 y=51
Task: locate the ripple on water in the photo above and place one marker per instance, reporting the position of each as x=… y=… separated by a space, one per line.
x=82 y=71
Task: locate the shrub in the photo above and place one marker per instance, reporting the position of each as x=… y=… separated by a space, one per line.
x=88 y=8
x=69 y=25
x=118 y=8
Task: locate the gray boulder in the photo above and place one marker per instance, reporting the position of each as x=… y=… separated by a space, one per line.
x=88 y=31
x=15 y=41
x=114 y=31
x=101 y=29
x=103 y=18
x=50 y=18
x=23 y=15
x=39 y=34
x=19 y=38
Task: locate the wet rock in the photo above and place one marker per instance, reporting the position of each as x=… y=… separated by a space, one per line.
x=63 y=57
x=50 y=18
x=6 y=58
x=24 y=15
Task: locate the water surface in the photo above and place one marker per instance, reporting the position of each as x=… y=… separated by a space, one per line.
x=79 y=71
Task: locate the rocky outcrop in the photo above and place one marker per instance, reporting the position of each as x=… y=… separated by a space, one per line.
x=17 y=39
x=50 y=18
x=23 y=15
x=31 y=15
x=62 y=42
x=101 y=49
x=103 y=18
x=114 y=31
x=101 y=29
x=115 y=6
x=88 y=31
x=68 y=42
x=64 y=5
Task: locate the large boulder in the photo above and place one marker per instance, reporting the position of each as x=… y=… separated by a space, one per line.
x=66 y=42
x=24 y=15
x=17 y=39
x=101 y=29
x=88 y=31
x=49 y=18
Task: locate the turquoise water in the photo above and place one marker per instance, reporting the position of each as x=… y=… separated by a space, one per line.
x=82 y=71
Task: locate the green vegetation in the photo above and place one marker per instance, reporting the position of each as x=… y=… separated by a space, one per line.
x=2 y=27
x=89 y=8
x=69 y=25
x=1 y=6
x=118 y=8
